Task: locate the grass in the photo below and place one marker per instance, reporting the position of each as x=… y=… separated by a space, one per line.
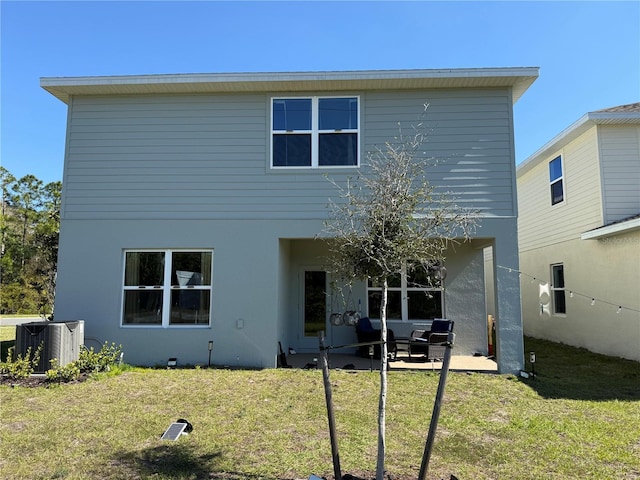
x=579 y=418
x=7 y=340
x=7 y=333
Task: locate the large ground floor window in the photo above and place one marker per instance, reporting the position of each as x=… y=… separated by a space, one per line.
x=411 y=296
x=167 y=287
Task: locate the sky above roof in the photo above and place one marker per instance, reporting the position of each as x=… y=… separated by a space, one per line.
x=588 y=53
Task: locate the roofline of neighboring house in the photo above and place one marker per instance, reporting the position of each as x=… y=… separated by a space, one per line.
x=573 y=131
x=519 y=79
x=616 y=228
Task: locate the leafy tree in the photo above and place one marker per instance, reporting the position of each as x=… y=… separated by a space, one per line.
x=46 y=236
x=388 y=221
x=29 y=228
x=7 y=180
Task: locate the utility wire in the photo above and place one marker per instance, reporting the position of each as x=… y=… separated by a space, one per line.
x=572 y=293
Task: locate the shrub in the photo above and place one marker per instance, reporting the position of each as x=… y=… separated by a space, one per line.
x=92 y=361
x=89 y=361
x=23 y=365
x=66 y=373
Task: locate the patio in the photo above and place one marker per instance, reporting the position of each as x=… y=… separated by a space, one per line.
x=460 y=363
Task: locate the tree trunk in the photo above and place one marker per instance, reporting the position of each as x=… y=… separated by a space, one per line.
x=383 y=384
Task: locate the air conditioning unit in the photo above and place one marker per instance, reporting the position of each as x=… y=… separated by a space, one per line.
x=60 y=340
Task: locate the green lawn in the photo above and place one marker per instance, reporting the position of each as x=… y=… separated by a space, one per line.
x=578 y=419
x=7 y=333
x=7 y=340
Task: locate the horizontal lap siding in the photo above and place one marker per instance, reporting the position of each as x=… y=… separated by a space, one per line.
x=620 y=153
x=206 y=156
x=182 y=157
x=469 y=135
x=542 y=224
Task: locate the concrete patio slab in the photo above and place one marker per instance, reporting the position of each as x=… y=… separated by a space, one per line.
x=463 y=363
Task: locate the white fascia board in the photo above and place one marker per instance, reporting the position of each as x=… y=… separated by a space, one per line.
x=573 y=131
x=565 y=136
x=518 y=78
x=290 y=76
x=610 y=230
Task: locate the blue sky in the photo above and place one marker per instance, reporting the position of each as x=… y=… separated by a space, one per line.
x=588 y=53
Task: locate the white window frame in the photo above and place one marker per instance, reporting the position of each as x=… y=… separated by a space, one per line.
x=404 y=290
x=166 y=288
x=559 y=179
x=315 y=132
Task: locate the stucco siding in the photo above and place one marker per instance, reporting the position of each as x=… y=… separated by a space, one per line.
x=620 y=157
x=615 y=264
x=246 y=297
x=190 y=156
x=542 y=224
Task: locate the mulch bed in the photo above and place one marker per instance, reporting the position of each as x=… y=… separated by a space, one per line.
x=34 y=381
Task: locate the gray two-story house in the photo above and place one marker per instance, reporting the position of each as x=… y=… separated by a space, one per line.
x=191 y=203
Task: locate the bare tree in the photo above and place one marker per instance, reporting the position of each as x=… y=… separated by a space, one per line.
x=389 y=221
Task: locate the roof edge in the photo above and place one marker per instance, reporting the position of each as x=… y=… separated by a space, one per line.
x=519 y=78
x=574 y=130
x=617 y=228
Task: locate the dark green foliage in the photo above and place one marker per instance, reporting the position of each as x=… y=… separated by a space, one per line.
x=29 y=228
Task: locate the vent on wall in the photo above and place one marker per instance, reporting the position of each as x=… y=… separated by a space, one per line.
x=60 y=340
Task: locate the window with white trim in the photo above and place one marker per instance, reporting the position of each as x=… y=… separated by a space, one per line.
x=315 y=132
x=556 y=180
x=558 y=293
x=167 y=288
x=410 y=297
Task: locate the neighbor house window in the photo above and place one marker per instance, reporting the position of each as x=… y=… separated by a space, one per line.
x=315 y=132
x=167 y=288
x=410 y=296
x=556 y=180
x=557 y=289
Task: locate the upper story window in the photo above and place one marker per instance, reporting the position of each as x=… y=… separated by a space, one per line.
x=315 y=132
x=167 y=288
x=556 y=180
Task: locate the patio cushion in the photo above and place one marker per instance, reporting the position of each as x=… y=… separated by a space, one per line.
x=364 y=325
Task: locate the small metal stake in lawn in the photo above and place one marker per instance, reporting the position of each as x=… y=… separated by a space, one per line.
x=332 y=421
x=436 y=406
x=532 y=360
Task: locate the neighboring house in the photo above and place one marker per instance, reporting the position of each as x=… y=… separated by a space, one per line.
x=191 y=203
x=579 y=231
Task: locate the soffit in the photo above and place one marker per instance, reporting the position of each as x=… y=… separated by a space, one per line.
x=517 y=78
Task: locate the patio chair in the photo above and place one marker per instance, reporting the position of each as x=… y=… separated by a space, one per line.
x=366 y=333
x=428 y=342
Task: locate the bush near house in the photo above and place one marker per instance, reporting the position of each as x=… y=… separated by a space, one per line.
x=17 y=369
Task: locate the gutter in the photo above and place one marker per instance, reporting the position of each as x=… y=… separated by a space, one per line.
x=617 y=228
